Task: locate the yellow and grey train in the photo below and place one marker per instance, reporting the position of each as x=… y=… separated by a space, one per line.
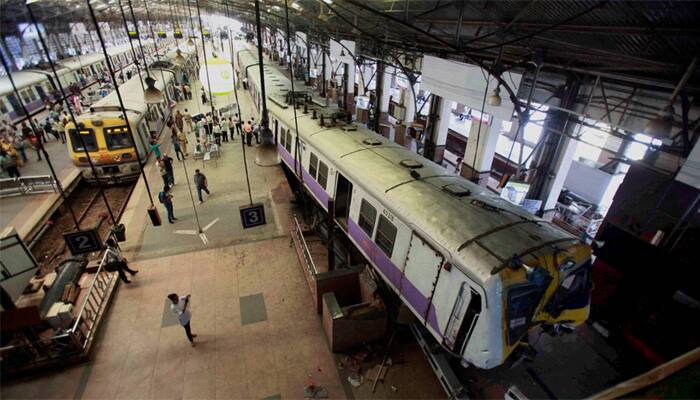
x=104 y=132
x=476 y=271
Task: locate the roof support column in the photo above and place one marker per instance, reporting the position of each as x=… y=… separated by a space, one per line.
x=553 y=158
x=438 y=124
x=481 y=147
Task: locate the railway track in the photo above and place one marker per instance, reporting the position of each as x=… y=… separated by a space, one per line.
x=49 y=247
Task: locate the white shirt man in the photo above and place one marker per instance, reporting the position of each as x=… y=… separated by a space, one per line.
x=180 y=307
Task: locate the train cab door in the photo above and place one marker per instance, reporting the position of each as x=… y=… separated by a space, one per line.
x=465 y=313
x=343 y=198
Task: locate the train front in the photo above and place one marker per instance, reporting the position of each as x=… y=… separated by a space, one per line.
x=545 y=286
x=109 y=147
x=549 y=287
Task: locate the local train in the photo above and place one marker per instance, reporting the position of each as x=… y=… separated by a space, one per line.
x=104 y=132
x=35 y=84
x=475 y=270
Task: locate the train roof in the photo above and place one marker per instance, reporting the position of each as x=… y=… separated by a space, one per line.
x=132 y=95
x=22 y=79
x=77 y=62
x=479 y=230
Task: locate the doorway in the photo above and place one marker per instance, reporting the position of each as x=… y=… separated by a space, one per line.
x=343 y=197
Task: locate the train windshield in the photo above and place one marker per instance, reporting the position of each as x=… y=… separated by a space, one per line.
x=117 y=138
x=522 y=302
x=86 y=136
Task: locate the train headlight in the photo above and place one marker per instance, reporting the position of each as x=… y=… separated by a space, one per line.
x=126 y=156
x=82 y=159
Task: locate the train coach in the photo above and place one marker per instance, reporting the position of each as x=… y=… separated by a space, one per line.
x=104 y=133
x=36 y=84
x=475 y=270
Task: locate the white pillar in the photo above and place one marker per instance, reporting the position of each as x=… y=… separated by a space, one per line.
x=479 y=156
x=443 y=122
x=410 y=104
x=386 y=88
x=561 y=170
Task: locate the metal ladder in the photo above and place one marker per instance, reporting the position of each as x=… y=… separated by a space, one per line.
x=438 y=362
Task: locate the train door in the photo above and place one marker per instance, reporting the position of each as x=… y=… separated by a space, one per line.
x=40 y=91
x=276 y=126
x=421 y=271
x=12 y=99
x=343 y=198
x=465 y=313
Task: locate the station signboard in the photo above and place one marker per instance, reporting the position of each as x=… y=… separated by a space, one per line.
x=80 y=242
x=252 y=215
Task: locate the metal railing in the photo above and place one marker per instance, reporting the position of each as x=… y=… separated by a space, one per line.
x=67 y=342
x=84 y=326
x=304 y=248
x=27 y=185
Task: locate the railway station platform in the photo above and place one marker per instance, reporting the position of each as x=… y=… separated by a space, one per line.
x=258 y=333
x=26 y=212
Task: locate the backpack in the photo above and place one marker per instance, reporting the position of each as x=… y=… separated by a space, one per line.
x=162 y=197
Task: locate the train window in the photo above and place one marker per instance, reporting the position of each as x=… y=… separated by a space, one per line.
x=87 y=135
x=288 y=144
x=25 y=96
x=368 y=215
x=117 y=138
x=283 y=138
x=322 y=174
x=3 y=107
x=386 y=235
x=313 y=165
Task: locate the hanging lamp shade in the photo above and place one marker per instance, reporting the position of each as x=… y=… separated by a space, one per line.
x=190 y=42
x=662 y=124
x=179 y=59
x=219 y=77
x=495 y=99
x=152 y=95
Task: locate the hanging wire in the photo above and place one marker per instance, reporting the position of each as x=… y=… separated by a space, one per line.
x=196 y=50
x=43 y=150
x=70 y=112
x=133 y=50
x=206 y=63
x=294 y=99
x=138 y=35
x=155 y=46
x=263 y=96
x=238 y=106
x=110 y=67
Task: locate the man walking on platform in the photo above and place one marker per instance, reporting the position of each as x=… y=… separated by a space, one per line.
x=239 y=125
x=180 y=307
x=188 y=120
x=182 y=139
x=179 y=120
x=248 y=131
x=167 y=199
x=168 y=165
x=200 y=181
x=232 y=126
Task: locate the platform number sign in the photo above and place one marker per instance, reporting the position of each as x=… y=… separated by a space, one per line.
x=252 y=215
x=80 y=242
